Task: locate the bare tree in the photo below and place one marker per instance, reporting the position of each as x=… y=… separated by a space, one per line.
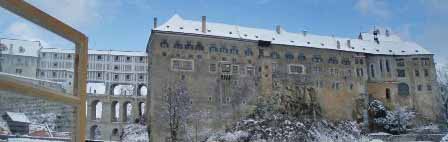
x=442 y=78
x=178 y=106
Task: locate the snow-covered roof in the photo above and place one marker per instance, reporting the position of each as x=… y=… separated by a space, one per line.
x=20 y=47
x=18 y=117
x=388 y=45
x=98 y=52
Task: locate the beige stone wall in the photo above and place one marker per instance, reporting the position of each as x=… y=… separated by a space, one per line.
x=219 y=102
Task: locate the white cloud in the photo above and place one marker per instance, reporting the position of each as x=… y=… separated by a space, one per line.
x=77 y=13
x=24 y=30
x=376 y=8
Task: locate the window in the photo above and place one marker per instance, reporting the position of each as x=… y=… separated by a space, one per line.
x=417 y=73
x=18 y=71
x=333 y=60
x=317 y=58
x=128 y=59
x=54 y=74
x=188 y=45
x=401 y=73
x=199 y=46
x=426 y=72
x=403 y=89
x=387 y=66
x=346 y=61
x=250 y=70
x=275 y=55
x=21 y=49
x=116 y=67
x=182 y=65
x=142 y=59
x=164 y=44
x=301 y=57
x=99 y=75
x=178 y=45
x=225 y=68
x=360 y=72
x=234 y=50
x=425 y=61
x=296 y=69
x=69 y=56
x=140 y=77
x=223 y=50
x=55 y=64
x=335 y=85
x=289 y=56
x=372 y=70
x=388 y=93
x=128 y=77
x=381 y=66
x=419 y=87
x=400 y=62
x=116 y=77
x=248 y=52
x=429 y=87
x=99 y=57
x=212 y=48
x=117 y=58
x=212 y=68
x=235 y=69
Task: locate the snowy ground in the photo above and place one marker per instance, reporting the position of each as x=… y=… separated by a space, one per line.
x=135 y=133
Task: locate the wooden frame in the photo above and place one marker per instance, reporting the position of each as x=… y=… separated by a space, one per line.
x=33 y=14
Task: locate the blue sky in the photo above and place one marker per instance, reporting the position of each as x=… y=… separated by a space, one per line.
x=126 y=24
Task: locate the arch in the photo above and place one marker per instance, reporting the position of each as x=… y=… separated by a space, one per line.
x=142 y=90
x=141 y=108
x=403 y=89
x=95 y=133
x=122 y=90
x=115 y=114
x=127 y=112
x=96 y=110
x=115 y=132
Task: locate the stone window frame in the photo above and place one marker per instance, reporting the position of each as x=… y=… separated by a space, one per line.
x=183 y=65
x=235 y=69
x=401 y=73
x=302 y=67
x=212 y=68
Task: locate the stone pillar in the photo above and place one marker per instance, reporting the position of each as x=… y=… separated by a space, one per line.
x=107 y=110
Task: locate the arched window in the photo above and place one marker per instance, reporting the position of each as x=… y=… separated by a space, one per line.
x=115 y=108
x=96 y=110
x=178 y=45
x=275 y=55
x=248 y=52
x=289 y=56
x=164 y=44
x=141 y=108
x=188 y=45
x=199 y=46
x=127 y=111
x=95 y=133
x=301 y=57
x=115 y=132
x=403 y=89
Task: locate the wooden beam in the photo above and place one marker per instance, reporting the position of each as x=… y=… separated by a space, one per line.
x=27 y=89
x=35 y=15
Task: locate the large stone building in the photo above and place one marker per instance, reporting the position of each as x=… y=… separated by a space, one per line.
x=214 y=74
x=116 y=82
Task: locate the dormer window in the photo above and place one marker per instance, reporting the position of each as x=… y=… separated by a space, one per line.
x=181 y=28
x=245 y=34
x=209 y=30
x=167 y=26
x=196 y=29
x=308 y=42
x=256 y=36
x=390 y=50
x=230 y=32
x=21 y=49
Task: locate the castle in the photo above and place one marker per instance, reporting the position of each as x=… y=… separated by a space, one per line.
x=205 y=76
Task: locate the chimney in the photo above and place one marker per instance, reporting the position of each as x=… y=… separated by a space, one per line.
x=155 y=23
x=204 y=26
x=278 y=28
